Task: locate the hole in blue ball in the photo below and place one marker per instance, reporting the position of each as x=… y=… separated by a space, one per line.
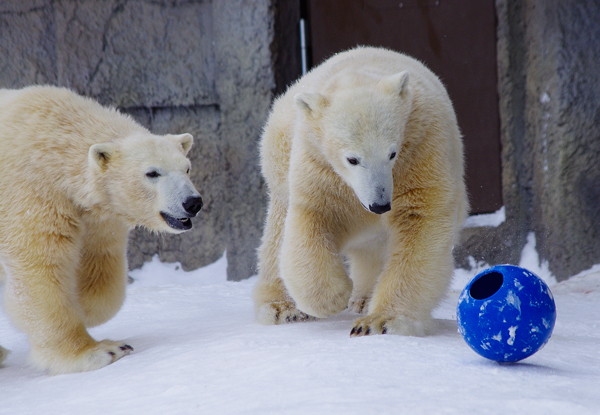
x=486 y=286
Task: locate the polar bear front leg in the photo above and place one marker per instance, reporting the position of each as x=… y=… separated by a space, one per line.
x=102 y=273
x=311 y=265
x=413 y=282
x=40 y=298
x=272 y=303
x=366 y=264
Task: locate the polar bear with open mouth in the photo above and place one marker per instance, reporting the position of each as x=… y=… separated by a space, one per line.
x=76 y=177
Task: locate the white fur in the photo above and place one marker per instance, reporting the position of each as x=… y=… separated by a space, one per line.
x=363 y=159
x=74 y=182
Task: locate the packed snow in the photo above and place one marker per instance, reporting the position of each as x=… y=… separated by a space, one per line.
x=198 y=350
x=494 y=219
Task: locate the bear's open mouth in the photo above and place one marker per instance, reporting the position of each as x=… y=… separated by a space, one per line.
x=181 y=224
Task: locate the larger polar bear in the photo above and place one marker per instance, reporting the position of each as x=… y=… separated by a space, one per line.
x=364 y=162
x=76 y=177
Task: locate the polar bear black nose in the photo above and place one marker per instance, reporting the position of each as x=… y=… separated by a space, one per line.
x=193 y=204
x=379 y=209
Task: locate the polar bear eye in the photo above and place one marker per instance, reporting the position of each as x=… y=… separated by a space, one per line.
x=152 y=174
x=353 y=161
x=187 y=171
x=393 y=156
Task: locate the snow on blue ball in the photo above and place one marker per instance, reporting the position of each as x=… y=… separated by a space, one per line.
x=506 y=313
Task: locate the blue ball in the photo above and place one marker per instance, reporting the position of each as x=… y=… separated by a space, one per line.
x=506 y=313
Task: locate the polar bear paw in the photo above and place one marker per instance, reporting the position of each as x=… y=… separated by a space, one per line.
x=281 y=312
x=359 y=303
x=323 y=300
x=101 y=354
x=388 y=324
x=107 y=349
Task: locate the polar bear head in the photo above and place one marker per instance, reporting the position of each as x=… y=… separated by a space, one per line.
x=145 y=179
x=360 y=129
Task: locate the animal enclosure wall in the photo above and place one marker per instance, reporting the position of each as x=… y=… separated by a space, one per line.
x=203 y=67
x=212 y=67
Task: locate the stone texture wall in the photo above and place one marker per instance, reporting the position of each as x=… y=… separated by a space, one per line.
x=567 y=123
x=204 y=67
x=211 y=68
x=549 y=88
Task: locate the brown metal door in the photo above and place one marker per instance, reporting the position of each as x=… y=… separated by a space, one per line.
x=456 y=39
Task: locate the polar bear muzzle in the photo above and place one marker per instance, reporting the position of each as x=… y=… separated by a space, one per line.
x=192 y=206
x=379 y=209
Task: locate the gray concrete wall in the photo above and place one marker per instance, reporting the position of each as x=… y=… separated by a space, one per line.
x=204 y=67
x=549 y=89
x=565 y=117
x=211 y=68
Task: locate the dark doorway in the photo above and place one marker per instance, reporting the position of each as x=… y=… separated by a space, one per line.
x=456 y=39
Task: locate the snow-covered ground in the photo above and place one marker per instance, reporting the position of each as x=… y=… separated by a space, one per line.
x=198 y=350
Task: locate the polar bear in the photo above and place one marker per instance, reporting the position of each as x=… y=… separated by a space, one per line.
x=364 y=164
x=76 y=177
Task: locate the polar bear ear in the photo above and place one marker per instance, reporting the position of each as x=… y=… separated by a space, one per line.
x=311 y=103
x=100 y=155
x=184 y=140
x=396 y=83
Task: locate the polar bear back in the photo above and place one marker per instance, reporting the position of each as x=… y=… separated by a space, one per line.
x=59 y=124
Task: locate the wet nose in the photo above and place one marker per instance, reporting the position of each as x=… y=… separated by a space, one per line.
x=379 y=209
x=193 y=204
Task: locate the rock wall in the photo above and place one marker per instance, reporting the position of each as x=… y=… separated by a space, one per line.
x=204 y=67
x=549 y=89
x=211 y=68
x=565 y=117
